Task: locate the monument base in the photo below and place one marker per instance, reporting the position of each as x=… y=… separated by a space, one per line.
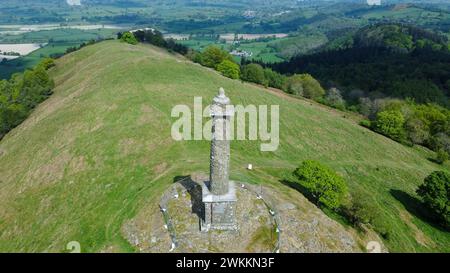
x=219 y=210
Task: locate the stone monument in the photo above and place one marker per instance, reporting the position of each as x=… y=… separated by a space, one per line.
x=219 y=193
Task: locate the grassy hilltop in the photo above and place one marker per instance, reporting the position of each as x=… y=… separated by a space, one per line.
x=99 y=150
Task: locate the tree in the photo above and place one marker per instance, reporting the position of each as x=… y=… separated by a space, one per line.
x=417 y=130
x=441 y=156
x=334 y=98
x=253 y=73
x=129 y=38
x=435 y=192
x=326 y=187
x=305 y=85
x=229 y=69
x=295 y=85
x=274 y=79
x=390 y=123
x=212 y=56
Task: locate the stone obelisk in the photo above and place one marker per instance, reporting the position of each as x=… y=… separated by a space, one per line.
x=219 y=194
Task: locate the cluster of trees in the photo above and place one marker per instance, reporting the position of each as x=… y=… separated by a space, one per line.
x=21 y=93
x=389 y=60
x=298 y=84
x=154 y=37
x=410 y=123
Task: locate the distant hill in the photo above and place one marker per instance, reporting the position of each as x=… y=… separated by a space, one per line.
x=98 y=152
x=390 y=59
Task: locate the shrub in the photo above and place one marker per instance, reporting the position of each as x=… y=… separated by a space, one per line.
x=47 y=63
x=441 y=156
x=325 y=186
x=253 y=73
x=361 y=210
x=129 y=38
x=365 y=123
x=435 y=192
x=229 y=69
x=390 y=123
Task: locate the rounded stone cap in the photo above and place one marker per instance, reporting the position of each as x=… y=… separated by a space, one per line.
x=221 y=105
x=221 y=98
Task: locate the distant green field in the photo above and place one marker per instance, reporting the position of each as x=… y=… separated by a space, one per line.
x=18 y=65
x=261 y=50
x=99 y=151
x=58 y=41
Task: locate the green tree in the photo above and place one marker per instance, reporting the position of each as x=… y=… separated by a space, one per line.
x=334 y=98
x=253 y=73
x=390 y=123
x=229 y=69
x=361 y=210
x=305 y=85
x=212 y=56
x=435 y=193
x=274 y=79
x=129 y=38
x=441 y=156
x=325 y=185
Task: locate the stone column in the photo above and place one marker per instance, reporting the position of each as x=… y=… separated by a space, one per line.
x=220 y=144
x=219 y=194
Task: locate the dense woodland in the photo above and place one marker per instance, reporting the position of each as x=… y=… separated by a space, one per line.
x=20 y=94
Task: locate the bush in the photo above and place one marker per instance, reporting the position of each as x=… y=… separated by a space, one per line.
x=253 y=73
x=390 y=123
x=365 y=123
x=325 y=186
x=361 y=210
x=47 y=63
x=435 y=192
x=441 y=156
x=229 y=69
x=129 y=38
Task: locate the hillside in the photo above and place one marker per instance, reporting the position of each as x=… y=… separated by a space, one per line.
x=98 y=153
x=390 y=60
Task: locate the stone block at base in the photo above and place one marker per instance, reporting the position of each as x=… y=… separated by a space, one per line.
x=219 y=209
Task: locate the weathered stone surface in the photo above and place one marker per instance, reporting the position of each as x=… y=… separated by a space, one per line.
x=220 y=144
x=218 y=193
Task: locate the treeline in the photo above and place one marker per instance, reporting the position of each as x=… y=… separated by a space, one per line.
x=410 y=123
x=154 y=37
x=21 y=93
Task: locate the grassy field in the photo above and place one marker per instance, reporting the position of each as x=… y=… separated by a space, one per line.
x=100 y=149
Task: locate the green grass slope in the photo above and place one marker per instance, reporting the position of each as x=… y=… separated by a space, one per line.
x=100 y=149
